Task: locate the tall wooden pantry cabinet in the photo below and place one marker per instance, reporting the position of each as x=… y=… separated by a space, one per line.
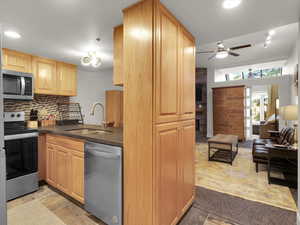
x=159 y=115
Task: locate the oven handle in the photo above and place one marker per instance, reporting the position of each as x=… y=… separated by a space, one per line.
x=20 y=136
x=22 y=85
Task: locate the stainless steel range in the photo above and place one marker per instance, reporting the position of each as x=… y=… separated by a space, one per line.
x=21 y=149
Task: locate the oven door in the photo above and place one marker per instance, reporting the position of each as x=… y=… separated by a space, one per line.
x=21 y=154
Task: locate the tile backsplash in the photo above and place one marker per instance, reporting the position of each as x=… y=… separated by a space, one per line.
x=47 y=103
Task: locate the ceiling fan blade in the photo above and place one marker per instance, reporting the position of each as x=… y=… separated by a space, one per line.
x=233 y=53
x=205 y=52
x=240 y=47
x=213 y=56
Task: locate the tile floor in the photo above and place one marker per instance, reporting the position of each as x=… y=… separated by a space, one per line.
x=241 y=179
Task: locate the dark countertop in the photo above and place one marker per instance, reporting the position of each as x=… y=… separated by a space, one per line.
x=114 y=136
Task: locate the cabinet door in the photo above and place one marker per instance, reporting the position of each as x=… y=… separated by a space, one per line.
x=44 y=71
x=186 y=165
x=66 y=79
x=167 y=71
x=167 y=143
x=188 y=75
x=63 y=169
x=118 y=78
x=77 y=175
x=51 y=171
x=114 y=107
x=17 y=61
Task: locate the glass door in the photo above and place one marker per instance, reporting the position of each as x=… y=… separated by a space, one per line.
x=3 y=215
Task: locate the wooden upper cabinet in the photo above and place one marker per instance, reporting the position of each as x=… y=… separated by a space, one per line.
x=114 y=107
x=17 y=61
x=66 y=79
x=188 y=75
x=167 y=70
x=44 y=71
x=118 y=56
x=51 y=77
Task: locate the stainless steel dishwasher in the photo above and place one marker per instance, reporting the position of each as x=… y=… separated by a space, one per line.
x=103 y=182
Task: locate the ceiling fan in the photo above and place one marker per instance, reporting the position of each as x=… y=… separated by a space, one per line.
x=221 y=52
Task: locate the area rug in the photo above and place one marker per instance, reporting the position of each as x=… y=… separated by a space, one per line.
x=32 y=213
x=241 y=179
x=215 y=208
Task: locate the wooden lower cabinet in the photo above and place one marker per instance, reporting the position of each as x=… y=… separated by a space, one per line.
x=65 y=166
x=63 y=169
x=77 y=175
x=51 y=171
x=186 y=165
x=174 y=173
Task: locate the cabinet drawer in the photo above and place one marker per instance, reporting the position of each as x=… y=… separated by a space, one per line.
x=66 y=142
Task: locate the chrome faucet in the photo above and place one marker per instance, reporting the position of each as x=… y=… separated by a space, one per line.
x=93 y=111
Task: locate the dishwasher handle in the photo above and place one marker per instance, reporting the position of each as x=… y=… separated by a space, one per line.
x=102 y=154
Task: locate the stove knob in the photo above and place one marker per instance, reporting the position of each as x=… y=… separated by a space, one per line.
x=12 y=115
x=18 y=115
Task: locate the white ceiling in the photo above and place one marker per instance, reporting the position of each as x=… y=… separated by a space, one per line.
x=66 y=29
x=281 y=47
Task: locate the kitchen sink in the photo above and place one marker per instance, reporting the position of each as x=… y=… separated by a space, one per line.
x=89 y=131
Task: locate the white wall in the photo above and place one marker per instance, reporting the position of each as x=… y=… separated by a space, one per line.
x=284 y=83
x=290 y=68
x=292 y=61
x=91 y=88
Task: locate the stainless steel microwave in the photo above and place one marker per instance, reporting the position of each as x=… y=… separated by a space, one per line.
x=17 y=85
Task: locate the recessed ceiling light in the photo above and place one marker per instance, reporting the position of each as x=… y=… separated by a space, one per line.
x=230 y=4
x=272 y=32
x=12 y=34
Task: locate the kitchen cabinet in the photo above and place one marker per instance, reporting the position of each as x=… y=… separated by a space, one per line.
x=51 y=171
x=51 y=77
x=17 y=61
x=188 y=75
x=167 y=76
x=175 y=151
x=62 y=162
x=114 y=107
x=159 y=115
x=65 y=165
x=77 y=175
x=66 y=79
x=167 y=153
x=118 y=56
x=175 y=72
x=44 y=71
x=186 y=153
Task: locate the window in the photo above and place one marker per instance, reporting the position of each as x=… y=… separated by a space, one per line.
x=254 y=74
